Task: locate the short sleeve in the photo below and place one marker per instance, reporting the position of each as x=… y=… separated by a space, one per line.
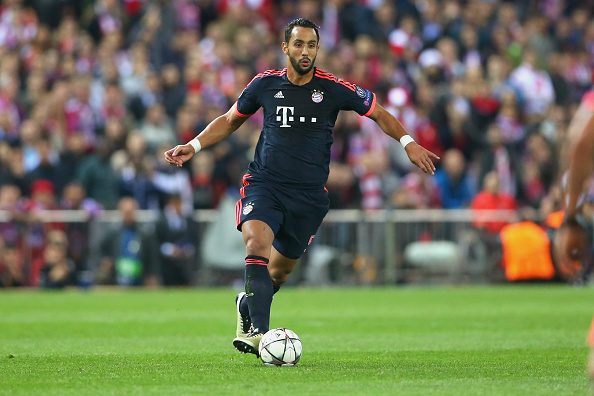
x=247 y=103
x=358 y=99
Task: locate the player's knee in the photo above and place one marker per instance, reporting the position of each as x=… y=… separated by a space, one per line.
x=257 y=247
x=278 y=275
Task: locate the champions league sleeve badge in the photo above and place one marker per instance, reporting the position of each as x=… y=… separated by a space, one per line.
x=317 y=96
x=360 y=91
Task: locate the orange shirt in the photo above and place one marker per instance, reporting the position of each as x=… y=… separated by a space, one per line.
x=526 y=252
x=555 y=219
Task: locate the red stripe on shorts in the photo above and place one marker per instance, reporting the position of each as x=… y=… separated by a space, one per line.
x=238 y=213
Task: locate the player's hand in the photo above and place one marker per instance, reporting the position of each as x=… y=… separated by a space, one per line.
x=179 y=154
x=571 y=242
x=421 y=157
x=571 y=247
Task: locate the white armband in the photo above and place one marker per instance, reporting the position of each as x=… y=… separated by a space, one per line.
x=196 y=144
x=406 y=139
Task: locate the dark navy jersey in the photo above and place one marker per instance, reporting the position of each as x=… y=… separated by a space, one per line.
x=294 y=147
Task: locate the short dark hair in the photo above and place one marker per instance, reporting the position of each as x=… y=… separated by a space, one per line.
x=302 y=22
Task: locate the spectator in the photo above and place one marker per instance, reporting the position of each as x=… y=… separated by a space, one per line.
x=12 y=169
x=206 y=191
x=11 y=266
x=416 y=191
x=71 y=157
x=98 y=178
x=453 y=183
x=79 y=114
x=174 y=91
x=54 y=270
x=77 y=233
x=535 y=86
x=10 y=113
x=150 y=95
x=169 y=180
x=43 y=198
x=498 y=157
x=133 y=82
x=157 y=129
x=113 y=106
x=29 y=137
x=106 y=17
x=186 y=124
x=10 y=200
x=115 y=133
x=127 y=255
x=35 y=90
x=11 y=237
x=136 y=170
x=48 y=167
x=176 y=237
x=490 y=198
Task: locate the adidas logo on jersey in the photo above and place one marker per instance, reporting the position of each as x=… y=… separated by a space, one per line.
x=279 y=95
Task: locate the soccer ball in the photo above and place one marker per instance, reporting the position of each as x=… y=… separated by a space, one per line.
x=280 y=347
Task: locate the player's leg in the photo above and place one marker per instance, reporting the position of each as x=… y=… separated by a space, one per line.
x=304 y=215
x=279 y=268
x=258 y=237
x=258 y=217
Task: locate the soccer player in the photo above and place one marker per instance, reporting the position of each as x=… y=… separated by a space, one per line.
x=571 y=239
x=283 y=195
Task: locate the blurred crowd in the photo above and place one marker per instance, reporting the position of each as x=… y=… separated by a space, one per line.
x=92 y=93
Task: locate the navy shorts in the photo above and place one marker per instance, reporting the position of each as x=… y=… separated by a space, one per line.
x=294 y=215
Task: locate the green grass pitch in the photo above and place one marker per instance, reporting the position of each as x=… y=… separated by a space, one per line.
x=505 y=340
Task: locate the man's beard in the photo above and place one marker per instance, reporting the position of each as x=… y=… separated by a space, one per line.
x=300 y=70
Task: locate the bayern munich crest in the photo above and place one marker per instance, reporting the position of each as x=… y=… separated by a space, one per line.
x=248 y=208
x=317 y=96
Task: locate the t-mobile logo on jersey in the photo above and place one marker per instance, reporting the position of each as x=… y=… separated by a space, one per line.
x=286 y=116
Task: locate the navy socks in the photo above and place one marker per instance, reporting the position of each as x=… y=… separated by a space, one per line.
x=275 y=287
x=243 y=305
x=259 y=289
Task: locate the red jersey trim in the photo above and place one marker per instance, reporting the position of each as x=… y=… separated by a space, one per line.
x=328 y=76
x=245 y=184
x=588 y=101
x=372 y=107
x=240 y=114
x=269 y=73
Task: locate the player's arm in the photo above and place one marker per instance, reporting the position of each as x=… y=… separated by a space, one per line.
x=417 y=154
x=581 y=154
x=219 y=129
x=571 y=241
